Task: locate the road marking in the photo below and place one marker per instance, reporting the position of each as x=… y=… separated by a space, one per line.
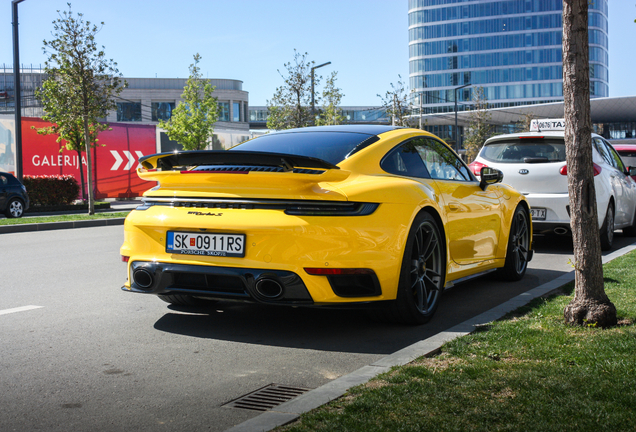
x=19 y=309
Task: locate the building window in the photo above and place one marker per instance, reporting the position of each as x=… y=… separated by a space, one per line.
x=162 y=110
x=224 y=111
x=236 y=112
x=129 y=111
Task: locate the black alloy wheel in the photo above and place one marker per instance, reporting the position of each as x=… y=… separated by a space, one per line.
x=518 y=250
x=423 y=272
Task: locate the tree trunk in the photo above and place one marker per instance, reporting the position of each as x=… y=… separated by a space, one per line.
x=590 y=304
x=89 y=166
x=81 y=170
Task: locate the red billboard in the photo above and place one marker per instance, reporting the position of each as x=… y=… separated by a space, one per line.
x=115 y=161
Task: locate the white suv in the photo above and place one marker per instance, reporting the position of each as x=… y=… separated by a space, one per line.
x=534 y=164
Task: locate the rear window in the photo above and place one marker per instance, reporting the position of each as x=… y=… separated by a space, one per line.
x=628 y=156
x=332 y=147
x=525 y=150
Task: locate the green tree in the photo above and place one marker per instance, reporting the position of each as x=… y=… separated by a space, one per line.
x=290 y=106
x=80 y=87
x=331 y=113
x=523 y=125
x=479 y=128
x=69 y=133
x=395 y=103
x=590 y=304
x=192 y=121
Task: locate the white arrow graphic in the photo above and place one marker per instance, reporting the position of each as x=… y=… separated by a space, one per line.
x=118 y=160
x=131 y=160
x=139 y=156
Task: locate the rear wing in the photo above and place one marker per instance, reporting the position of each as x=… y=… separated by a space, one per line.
x=221 y=168
x=179 y=160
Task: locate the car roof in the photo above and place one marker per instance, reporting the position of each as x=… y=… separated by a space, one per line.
x=618 y=147
x=365 y=129
x=546 y=134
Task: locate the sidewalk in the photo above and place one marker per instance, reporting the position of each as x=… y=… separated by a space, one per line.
x=293 y=409
x=115 y=206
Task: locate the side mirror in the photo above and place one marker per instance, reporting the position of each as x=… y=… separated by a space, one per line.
x=631 y=171
x=489 y=176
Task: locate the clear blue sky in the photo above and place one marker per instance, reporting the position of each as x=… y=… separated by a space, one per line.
x=365 y=40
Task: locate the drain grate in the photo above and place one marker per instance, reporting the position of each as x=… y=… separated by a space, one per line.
x=266 y=398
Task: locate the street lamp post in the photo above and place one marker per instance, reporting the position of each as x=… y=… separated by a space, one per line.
x=313 y=102
x=17 y=94
x=456 y=134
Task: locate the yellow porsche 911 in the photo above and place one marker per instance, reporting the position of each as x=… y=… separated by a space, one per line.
x=323 y=216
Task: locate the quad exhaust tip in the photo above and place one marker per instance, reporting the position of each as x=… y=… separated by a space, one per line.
x=268 y=288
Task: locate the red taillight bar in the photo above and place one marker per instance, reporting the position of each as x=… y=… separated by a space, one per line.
x=215 y=172
x=320 y=271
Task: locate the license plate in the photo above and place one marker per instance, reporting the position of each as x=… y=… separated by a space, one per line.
x=538 y=213
x=210 y=244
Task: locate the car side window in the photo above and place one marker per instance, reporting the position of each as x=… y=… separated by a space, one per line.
x=404 y=160
x=3 y=180
x=442 y=163
x=618 y=162
x=600 y=147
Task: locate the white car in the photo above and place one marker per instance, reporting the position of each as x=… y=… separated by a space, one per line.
x=534 y=164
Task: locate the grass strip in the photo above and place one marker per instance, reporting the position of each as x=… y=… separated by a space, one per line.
x=62 y=218
x=528 y=371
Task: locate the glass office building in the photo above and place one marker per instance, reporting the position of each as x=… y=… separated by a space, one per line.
x=511 y=48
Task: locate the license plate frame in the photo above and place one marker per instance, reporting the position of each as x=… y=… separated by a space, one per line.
x=194 y=243
x=538 y=213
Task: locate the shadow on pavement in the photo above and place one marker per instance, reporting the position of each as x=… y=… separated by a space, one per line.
x=339 y=330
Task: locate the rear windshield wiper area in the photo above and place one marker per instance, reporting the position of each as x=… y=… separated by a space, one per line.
x=536 y=159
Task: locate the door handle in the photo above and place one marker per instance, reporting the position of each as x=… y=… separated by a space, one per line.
x=454 y=206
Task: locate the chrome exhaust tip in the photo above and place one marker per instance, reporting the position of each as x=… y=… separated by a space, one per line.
x=560 y=231
x=268 y=288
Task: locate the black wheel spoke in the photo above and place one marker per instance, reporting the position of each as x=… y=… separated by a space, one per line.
x=421 y=296
x=432 y=285
x=523 y=229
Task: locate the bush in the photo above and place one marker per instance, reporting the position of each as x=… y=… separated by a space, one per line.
x=51 y=190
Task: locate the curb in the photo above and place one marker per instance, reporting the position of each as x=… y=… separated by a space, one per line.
x=47 y=226
x=290 y=411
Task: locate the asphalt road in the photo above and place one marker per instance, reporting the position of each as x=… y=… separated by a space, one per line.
x=93 y=357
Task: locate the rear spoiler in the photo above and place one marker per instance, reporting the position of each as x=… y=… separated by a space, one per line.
x=174 y=160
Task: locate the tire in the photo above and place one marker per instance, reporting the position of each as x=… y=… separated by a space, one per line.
x=422 y=274
x=630 y=231
x=518 y=247
x=607 y=230
x=15 y=209
x=185 y=300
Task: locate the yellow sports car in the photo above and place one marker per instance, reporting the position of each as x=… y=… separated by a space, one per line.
x=323 y=216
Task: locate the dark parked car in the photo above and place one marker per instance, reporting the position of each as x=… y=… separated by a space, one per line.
x=14 y=200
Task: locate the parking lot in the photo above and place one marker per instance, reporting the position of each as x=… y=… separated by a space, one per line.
x=78 y=353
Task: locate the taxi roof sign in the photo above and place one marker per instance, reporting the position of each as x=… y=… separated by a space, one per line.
x=538 y=125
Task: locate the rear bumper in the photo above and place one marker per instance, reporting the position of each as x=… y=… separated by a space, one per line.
x=218 y=282
x=241 y=284
x=557 y=212
x=278 y=248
